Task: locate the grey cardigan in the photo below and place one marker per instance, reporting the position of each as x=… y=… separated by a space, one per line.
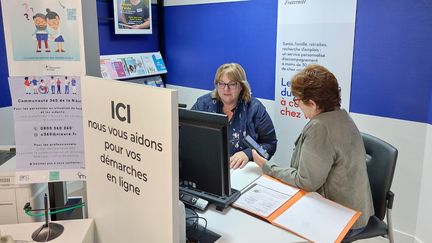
x=329 y=158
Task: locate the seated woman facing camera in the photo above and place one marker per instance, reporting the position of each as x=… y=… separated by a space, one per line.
x=246 y=115
x=329 y=155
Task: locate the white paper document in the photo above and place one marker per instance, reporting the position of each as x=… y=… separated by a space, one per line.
x=265 y=196
x=262 y=200
x=276 y=185
x=316 y=218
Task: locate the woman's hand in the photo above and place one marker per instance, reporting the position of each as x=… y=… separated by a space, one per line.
x=260 y=161
x=238 y=160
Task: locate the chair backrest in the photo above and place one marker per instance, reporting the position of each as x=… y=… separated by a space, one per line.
x=381 y=162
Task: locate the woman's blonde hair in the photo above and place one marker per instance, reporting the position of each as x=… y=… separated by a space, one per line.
x=235 y=73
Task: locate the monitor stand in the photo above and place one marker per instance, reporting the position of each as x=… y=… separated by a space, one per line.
x=221 y=202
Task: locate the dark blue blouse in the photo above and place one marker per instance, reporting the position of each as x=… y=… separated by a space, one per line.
x=248 y=119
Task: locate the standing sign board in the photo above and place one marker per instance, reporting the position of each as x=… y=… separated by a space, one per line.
x=131 y=155
x=308 y=32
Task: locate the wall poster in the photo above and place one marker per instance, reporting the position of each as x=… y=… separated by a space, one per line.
x=132 y=17
x=48 y=128
x=43 y=37
x=309 y=32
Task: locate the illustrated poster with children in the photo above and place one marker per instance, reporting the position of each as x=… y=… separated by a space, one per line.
x=43 y=36
x=48 y=128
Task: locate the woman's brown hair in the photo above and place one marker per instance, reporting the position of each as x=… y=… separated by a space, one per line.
x=317 y=83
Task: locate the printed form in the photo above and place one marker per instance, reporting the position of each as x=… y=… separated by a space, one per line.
x=265 y=196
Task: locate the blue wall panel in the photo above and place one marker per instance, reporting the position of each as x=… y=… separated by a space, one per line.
x=110 y=43
x=5 y=98
x=199 y=38
x=392 y=71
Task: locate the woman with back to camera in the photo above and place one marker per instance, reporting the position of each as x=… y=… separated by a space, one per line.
x=329 y=156
x=246 y=114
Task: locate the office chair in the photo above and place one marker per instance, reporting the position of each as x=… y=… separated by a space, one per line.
x=381 y=162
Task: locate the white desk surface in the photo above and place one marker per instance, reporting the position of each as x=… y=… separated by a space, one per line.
x=236 y=226
x=75 y=231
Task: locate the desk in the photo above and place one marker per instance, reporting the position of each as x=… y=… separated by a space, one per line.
x=75 y=231
x=237 y=226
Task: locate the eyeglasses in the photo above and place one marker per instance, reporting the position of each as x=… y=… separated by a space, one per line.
x=230 y=85
x=296 y=100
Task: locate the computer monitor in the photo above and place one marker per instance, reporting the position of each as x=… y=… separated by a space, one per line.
x=203 y=153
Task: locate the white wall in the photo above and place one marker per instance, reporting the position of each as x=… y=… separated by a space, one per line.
x=186 y=95
x=7 y=134
x=412 y=176
x=409 y=138
x=424 y=221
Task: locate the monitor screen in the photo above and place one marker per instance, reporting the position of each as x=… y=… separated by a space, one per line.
x=203 y=152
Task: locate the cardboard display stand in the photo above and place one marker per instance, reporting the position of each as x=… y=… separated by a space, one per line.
x=131 y=155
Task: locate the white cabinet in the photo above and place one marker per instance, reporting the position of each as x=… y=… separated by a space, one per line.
x=8 y=213
x=13 y=197
x=8 y=206
x=12 y=201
